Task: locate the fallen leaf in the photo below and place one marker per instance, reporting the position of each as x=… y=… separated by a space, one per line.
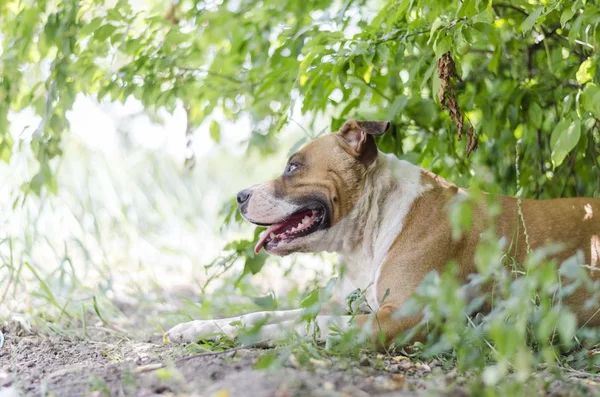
x=398 y=378
x=221 y=393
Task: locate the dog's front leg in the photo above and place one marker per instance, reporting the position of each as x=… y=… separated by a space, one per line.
x=320 y=328
x=279 y=324
x=213 y=329
x=381 y=328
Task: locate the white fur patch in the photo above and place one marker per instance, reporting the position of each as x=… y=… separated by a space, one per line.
x=364 y=237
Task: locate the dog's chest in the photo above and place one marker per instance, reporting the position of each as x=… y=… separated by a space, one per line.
x=392 y=194
x=361 y=273
x=363 y=265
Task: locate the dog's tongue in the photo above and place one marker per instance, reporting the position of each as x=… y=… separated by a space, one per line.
x=265 y=235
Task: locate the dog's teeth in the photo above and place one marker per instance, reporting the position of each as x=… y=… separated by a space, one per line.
x=300 y=225
x=272 y=235
x=306 y=219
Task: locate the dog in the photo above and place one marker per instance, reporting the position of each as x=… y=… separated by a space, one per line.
x=388 y=219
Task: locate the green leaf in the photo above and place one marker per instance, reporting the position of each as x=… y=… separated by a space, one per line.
x=6 y=148
x=518 y=132
x=531 y=20
x=215 y=131
x=590 y=100
x=396 y=107
x=466 y=9
x=311 y=299
x=266 y=361
x=463 y=46
x=495 y=61
x=535 y=115
x=566 y=16
x=175 y=37
x=557 y=131
x=37 y=182
x=255 y=263
x=267 y=302
x=486 y=16
x=90 y=27
x=564 y=138
x=104 y=32
x=442 y=45
x=387 y=293
x=586 y=71
x=353 y=104
x=382 y=54
x=367 y=74
x=434 y=27
x=567 y=326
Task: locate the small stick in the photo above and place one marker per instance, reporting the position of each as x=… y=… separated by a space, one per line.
x=152 y=367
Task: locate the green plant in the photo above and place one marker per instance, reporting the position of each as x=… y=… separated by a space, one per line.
x=525 y=70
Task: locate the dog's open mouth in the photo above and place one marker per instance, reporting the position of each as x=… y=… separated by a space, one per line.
x=299 y=224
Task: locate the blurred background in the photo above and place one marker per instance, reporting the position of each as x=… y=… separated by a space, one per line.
x=138 y=219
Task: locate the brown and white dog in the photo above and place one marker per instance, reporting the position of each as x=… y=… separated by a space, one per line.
x=388 y=220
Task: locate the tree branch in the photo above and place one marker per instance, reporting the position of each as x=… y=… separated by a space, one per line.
x=212 y=73
x=510 y=6
x=397 y=36
x=376 y=90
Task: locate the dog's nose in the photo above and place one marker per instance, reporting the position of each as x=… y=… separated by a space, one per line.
x=243 y=196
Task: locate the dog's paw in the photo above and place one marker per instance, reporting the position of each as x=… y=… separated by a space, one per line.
x=194 y=330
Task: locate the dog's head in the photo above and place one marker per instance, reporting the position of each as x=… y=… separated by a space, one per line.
x=320 y=184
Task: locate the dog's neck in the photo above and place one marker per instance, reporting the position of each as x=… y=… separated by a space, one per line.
x=364 y=236
x=391 y=185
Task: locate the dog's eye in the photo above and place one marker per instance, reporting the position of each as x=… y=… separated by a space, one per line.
x=291 y=167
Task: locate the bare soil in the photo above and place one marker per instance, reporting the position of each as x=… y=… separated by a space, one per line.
x=102 y=364
x=35 y=364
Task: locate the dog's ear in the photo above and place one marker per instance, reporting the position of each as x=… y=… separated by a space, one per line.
x=358 y=136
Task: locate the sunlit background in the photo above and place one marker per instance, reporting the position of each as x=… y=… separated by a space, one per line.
x=133 y=222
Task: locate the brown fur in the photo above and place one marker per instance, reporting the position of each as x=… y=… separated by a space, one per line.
x=426 y=244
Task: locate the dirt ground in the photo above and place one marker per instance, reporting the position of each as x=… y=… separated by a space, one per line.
x=33 y=364
x=103 y=365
